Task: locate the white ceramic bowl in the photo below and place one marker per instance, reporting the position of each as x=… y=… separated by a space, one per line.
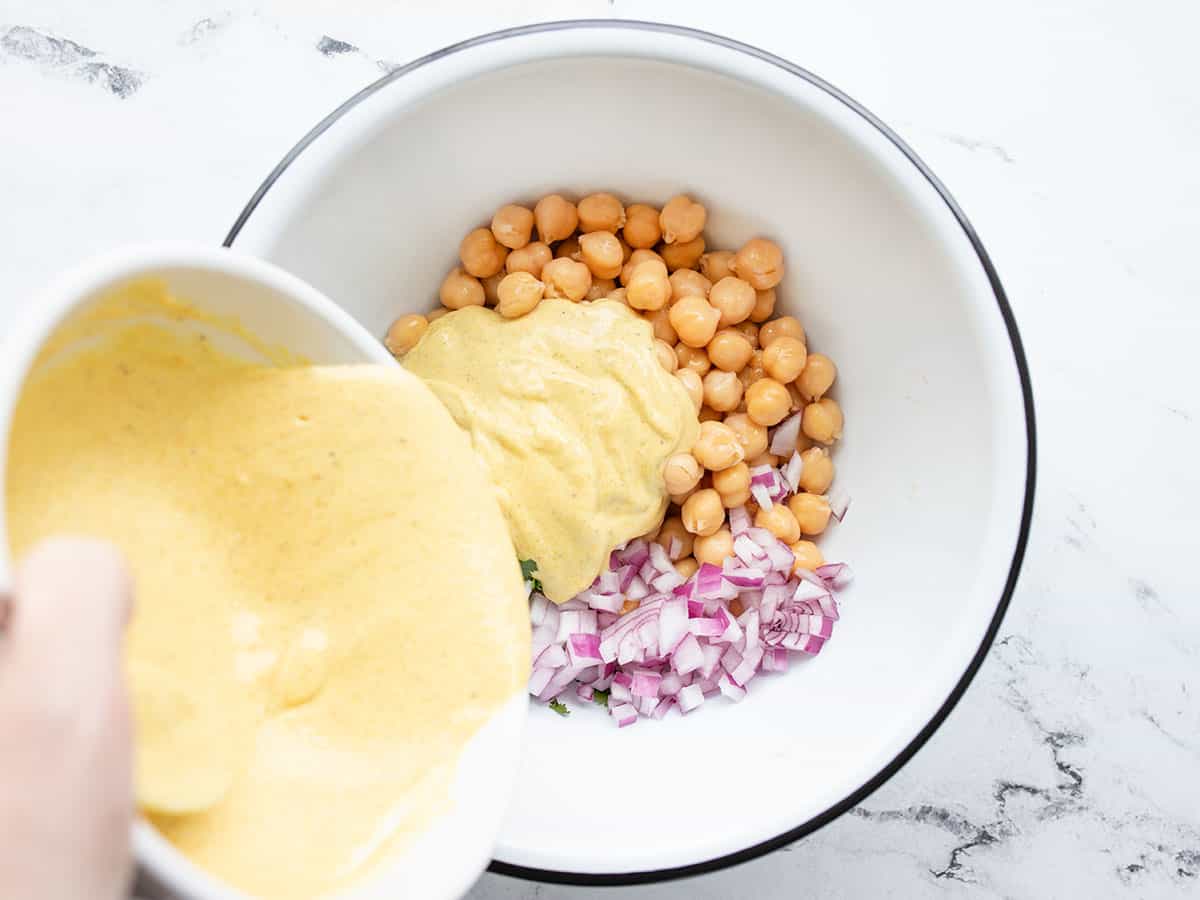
x=888 y=278
x=444 y=859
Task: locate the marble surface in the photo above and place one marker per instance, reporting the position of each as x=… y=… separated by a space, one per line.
x=1069 y=131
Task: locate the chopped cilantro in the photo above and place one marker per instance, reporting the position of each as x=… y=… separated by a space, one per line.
x=559 y=707
x=600 y=698
x=528 y=570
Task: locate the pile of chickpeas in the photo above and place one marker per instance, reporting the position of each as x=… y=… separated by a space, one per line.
x=712 y=313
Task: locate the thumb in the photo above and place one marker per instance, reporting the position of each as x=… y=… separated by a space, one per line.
x=71 y=603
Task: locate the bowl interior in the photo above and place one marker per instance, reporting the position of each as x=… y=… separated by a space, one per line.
x=884 y=280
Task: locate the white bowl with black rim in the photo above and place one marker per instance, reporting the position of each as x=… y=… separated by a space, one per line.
x=888 y=278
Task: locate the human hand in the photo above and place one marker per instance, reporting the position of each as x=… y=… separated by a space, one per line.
x=66 y=780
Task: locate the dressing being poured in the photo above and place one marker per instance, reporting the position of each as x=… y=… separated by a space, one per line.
x=328 y=601
x=575 y=417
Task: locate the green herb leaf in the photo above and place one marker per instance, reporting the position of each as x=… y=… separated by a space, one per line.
x=600 y=698
x=529 y=569
x=559 y=707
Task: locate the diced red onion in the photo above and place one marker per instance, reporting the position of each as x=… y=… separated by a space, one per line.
x=625 y=714
x=660 y=559
x=775 y=659
x=762 y=495
x=729 y=689
x=584 y=692
x=837 y=575
x=672 y=625
x=610 y=603
x=553 y=657
x=637 y=589
x=745 y=578
x=670 y=684
x=688 y=656
x=583 y=647
x=538 y=605
x=645 y=683
x=708 y=628
x=689 y=697
x=667 y=581
x=783 y=438
x=839 y=503
x=792 y=472
x=739 y=520
x=539 y=679
x=675 y=550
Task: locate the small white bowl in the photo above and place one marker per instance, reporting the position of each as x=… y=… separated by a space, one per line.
x=889 y=279
x=444 y=859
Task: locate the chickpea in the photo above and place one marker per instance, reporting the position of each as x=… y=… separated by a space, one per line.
x=660 y=321
x=404 y=333
x=822 y=421
x=734 y=298
x=750 y=331
x=636 y=258
x=566 y=278
x=556 y=218
x=520 y=293
x=729 y=350
x=722 y=390
x=784 y=326
x=641 y=229
x=695 y=321
x=652 y=534
x=512 y=226
x=491 y=288
x=666 y=355
x=716 y=265
x=681 y=220
x=703 y=513
x=569 y=249
x=481 y=254
x=530 y=258
x=618 y=295
x=798 y=401
x=780 y=522
x=626 y=250
x=765 y=459
x=601 y=288
x=817 y=474
x=753 y=370
x=682 y=255
x=459 y=289
x=601 y=212
x=760 y=262
x=764 y=305
x=648 y=287
x=436 y=314
x=784 y=359
x=767 y=402
x=811 y=511
x=693 y=385
x=686 y=567
x=681 y=473
x=808 y=556
x=708 y=414
x=673 y=528
x=601 y=252
x=751 y=435
x=732 y=482
x=694 y=358
x=717 y=447
x=715 y=548
x=818 y=376
x=686 y=282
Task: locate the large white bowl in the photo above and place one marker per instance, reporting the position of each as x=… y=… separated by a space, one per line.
x=888 y=278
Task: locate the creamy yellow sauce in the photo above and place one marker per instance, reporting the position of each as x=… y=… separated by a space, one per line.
x=575 y=418
x=328 y=601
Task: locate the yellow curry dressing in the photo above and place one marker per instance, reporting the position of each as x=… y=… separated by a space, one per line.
x=575 y=418
x=328 y=601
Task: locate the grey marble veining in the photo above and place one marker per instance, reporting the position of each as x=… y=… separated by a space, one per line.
x=1069 y=132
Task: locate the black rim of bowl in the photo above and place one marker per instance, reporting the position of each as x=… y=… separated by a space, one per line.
x=856 y=797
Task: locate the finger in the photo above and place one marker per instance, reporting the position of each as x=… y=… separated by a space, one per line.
x=72 y=599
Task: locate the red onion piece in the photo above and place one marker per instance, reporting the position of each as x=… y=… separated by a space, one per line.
x=783 y=438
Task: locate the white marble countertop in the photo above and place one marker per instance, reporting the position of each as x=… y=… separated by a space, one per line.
x=1070 y=133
